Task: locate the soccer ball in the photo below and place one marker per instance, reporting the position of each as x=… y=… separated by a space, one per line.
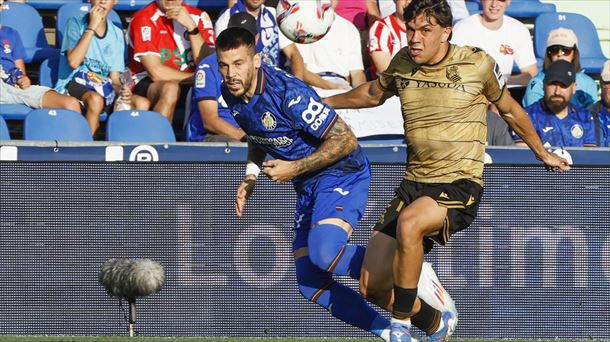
x=305 y=21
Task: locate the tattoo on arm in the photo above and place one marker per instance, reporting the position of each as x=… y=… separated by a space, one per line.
x=339 y=142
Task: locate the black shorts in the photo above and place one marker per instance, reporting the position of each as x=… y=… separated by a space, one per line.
x=461 y=198
x=78 y=90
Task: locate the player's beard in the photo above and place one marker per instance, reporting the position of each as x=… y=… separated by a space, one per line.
x=556 y=104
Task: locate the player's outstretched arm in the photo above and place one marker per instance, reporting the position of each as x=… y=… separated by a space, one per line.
x=368 y=94
x=338 y=143
x=518 y=120
x=256 y=156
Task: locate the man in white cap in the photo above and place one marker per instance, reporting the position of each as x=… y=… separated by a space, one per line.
x=562 y=44
x=601 y=109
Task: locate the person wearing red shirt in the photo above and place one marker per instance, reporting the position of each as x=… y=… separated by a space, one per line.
x=166 y=40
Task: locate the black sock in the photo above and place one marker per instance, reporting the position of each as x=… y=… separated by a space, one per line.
x=403 y=302
x=427 y=319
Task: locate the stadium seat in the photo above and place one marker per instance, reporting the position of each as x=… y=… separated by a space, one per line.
x=4 y=133
x=139 y=126
x=49 y=4
x=385 y=139
x=529 y=8
x=56 y=124
x=473 y=7
x=14 y=111
x=206 y=5
x=591 y=56
x=26 y=20
x=77 y=9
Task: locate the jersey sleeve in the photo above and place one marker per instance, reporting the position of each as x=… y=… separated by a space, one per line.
x=386 y=79
x=206 y=84
x=206 y=29
x=493 y=80
x=143 y=38
x=307 y=112
x=73 y=34
x=377 y=33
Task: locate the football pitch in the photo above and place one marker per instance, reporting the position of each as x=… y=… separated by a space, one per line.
x=231 y=339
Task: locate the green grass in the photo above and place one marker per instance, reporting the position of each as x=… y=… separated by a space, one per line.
x=202 y=339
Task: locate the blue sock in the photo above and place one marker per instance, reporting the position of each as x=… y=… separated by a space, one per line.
x=329 y=250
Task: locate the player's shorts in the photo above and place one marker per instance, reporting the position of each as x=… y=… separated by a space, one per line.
x=461 y=198
x=31 y=96
x=331 y=196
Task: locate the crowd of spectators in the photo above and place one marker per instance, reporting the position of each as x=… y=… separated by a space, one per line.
x=171 y=65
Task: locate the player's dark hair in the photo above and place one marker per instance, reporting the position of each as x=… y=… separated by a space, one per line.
x=438 y=9
x=235 y=37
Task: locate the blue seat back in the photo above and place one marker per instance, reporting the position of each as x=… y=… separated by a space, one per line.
x=139 y=126
x=77 y=9
x=591 y=56
x=26 y=20
x=4 y=133
x=56 y=124
x=47 y=72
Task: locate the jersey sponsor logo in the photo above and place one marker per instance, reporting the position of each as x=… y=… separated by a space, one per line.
x=163 y=31
x=547 y=129
x=294 y=101
x=405 y=83
x=315 y=114
x=452 y=73
x=146 y=33
x=577 y=131
x=341 y=191
x=282 y=141
x=176 y=57
x=269 y=121
x=200 y=79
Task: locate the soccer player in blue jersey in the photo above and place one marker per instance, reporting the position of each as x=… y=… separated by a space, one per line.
x=313 y=148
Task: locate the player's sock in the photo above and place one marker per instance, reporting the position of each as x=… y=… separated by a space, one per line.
x=403 y=302
x=428 y=319
x=329 y=250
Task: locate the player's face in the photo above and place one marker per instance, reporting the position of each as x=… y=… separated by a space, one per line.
x=105 y=4
x=557 y=96
x=165 y=4
x=239 y=68
x=606 y=94
x=494 y=9
x=254 y=4
x=428 y=41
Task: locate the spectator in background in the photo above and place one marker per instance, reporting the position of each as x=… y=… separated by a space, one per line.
x=15 y=85
x=274 y=41
x=601 y=109
x=386 y=37
x=166 y=40
x=94 y=50
x=556 y=120
x=506 y=39
x=498 y=132
x=562 y=44
x=336 y=58
x=210 y=118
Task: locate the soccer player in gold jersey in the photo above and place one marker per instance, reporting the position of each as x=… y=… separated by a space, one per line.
x=444 y=91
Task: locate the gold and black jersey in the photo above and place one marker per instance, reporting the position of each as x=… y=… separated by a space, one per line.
x=443 y=107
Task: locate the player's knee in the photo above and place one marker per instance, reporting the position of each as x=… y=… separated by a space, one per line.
x=326 y=244
x=170 y=92
x=409 y=232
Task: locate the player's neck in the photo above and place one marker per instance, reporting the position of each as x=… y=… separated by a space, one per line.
x=491 y=24
x=440 y=55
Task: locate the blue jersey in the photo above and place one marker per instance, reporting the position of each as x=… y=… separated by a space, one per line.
x=207 y=87
x=576 y=129
x=604 y=124
x=12 y=48
x=287 y=119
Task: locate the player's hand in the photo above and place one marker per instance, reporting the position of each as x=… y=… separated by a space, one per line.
x=280 y=170
x=554 y=162
x=182 y=16
x=97 y=15
x=23 y=82
x=243 y=194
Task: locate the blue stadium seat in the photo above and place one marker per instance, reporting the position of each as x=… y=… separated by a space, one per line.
x=529 y=8
x=383 y=139
x=4 y=133
x=56 y=124
x=26 y=20
x=473 y=7
x=591 y=56
x=76 y=9
x=49 y=4
x=139 y=126
x=14 y=111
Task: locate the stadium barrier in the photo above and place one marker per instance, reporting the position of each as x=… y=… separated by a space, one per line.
x=534 y=264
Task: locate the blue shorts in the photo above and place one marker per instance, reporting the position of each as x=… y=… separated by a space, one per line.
x=331 y=196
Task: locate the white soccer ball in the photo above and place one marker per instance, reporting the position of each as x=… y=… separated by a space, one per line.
x=305 y=21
